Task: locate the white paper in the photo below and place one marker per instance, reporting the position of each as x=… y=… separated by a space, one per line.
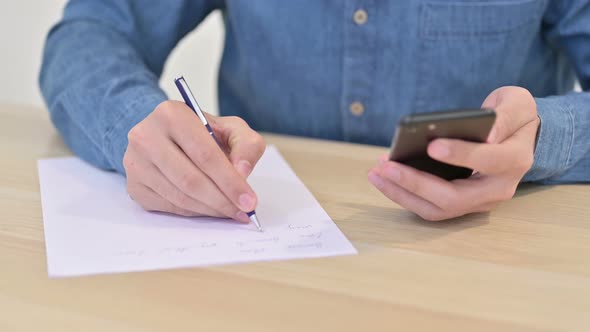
x=93 y=227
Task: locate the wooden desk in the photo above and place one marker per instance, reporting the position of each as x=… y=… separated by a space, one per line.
x=523 y=267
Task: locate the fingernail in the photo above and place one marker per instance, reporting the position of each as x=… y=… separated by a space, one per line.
x=393 y=173
x=382 y=159
x=242 y=216
x=244 y=168
x=376 y=180
x=247 y=202
x=439 y=149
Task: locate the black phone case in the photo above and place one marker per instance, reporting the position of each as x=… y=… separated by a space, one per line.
x=415 y=132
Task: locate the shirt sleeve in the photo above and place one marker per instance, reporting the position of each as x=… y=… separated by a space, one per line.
x=562 y=154
x=101 y=65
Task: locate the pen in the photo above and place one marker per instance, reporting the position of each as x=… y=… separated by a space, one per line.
x=191 y=102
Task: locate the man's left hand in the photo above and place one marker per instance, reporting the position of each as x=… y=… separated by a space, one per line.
x=499 y=164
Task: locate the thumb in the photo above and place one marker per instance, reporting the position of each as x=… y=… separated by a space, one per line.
x=245 y=146
x=513 y=106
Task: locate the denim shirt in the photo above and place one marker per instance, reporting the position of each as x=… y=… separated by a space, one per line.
x=331 y=69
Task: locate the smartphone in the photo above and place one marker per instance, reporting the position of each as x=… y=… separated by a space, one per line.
x=414 y=133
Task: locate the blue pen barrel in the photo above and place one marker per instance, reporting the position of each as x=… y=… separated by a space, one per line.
x=212 y=134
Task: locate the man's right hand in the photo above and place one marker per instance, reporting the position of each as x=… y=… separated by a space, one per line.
x=173 y=165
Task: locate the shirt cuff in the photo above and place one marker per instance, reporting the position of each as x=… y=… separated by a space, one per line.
x=555 y=139
x=135 y=111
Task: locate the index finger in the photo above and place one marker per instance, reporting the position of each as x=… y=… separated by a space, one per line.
x=196 y=142
x=245 y=146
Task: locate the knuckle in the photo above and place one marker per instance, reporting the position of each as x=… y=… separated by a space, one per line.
x=135 y=134
x=205 y=155
x=138 y=137
x=181 y=200
x=164 y=107
x=236 y=120
x=161 y=107
x=165 y=117
x=258 y=140
x=188 y=182
x=165 y=111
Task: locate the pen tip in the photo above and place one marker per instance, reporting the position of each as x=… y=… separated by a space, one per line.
x=254 y=219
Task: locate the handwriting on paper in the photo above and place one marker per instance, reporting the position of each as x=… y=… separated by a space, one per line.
x=94 y=218
x=306 y=239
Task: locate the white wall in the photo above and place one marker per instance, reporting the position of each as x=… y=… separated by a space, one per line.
x=25 y=23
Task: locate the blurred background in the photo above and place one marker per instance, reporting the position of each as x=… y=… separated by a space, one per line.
x=24 y=26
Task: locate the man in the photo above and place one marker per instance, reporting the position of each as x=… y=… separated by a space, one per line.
x=344 y=70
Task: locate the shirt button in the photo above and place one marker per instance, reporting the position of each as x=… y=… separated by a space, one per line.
x=360 y=17
x=357 y=108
